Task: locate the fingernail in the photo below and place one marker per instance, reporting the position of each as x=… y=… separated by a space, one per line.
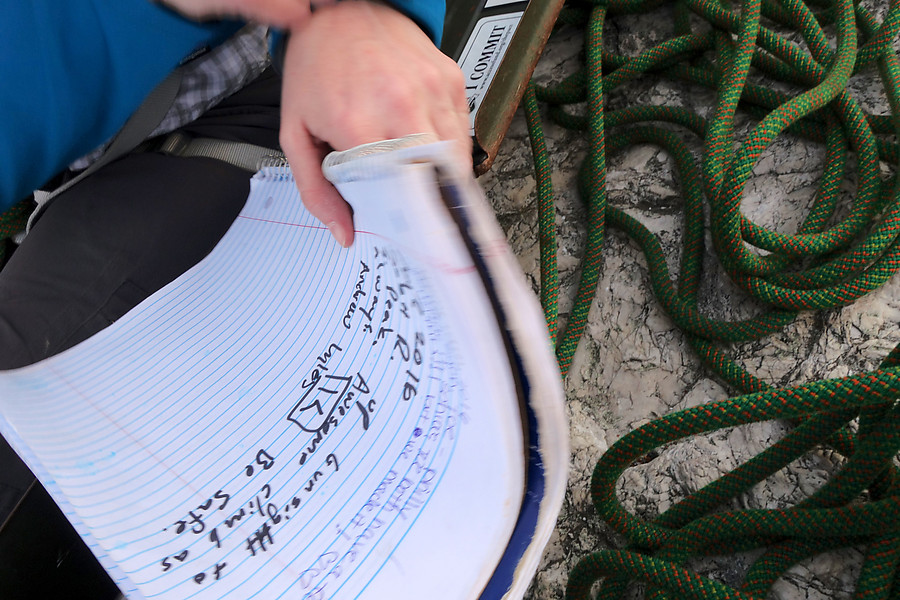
x=338 y=233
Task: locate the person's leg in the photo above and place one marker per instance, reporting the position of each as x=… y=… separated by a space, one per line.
x=104 y=245
x=110 y=241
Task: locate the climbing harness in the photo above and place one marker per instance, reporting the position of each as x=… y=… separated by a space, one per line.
x=747 y=54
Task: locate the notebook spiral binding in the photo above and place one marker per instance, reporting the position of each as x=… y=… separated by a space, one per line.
x=275 y=168
x=357 y=163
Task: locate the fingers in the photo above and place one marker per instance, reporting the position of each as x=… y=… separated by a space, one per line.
x=451 y=119
x=318 y=195
x=359 y=72
x=379 y=103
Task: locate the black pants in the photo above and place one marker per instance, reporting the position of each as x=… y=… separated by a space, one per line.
x=124 y=232
x=113 y=239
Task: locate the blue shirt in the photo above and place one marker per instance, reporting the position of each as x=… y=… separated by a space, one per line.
x=73 y=71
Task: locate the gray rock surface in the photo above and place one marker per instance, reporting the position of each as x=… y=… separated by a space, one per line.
x=634 y=365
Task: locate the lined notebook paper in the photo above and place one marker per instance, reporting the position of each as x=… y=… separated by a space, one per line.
x=291 y=419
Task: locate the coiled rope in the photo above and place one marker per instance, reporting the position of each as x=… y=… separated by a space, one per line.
x=829 y=262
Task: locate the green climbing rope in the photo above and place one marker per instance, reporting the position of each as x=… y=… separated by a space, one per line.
x=835 y=257
x=547 y=224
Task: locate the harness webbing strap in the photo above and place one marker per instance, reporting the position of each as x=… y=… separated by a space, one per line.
x=240 y=154
x=144 y=120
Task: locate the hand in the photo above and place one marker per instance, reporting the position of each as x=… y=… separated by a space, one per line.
x=285 y=14
x=358 y=72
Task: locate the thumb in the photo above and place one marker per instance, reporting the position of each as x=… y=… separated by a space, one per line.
x=319 y=197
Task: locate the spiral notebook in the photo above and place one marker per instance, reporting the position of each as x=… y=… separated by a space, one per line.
x=290 y=419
